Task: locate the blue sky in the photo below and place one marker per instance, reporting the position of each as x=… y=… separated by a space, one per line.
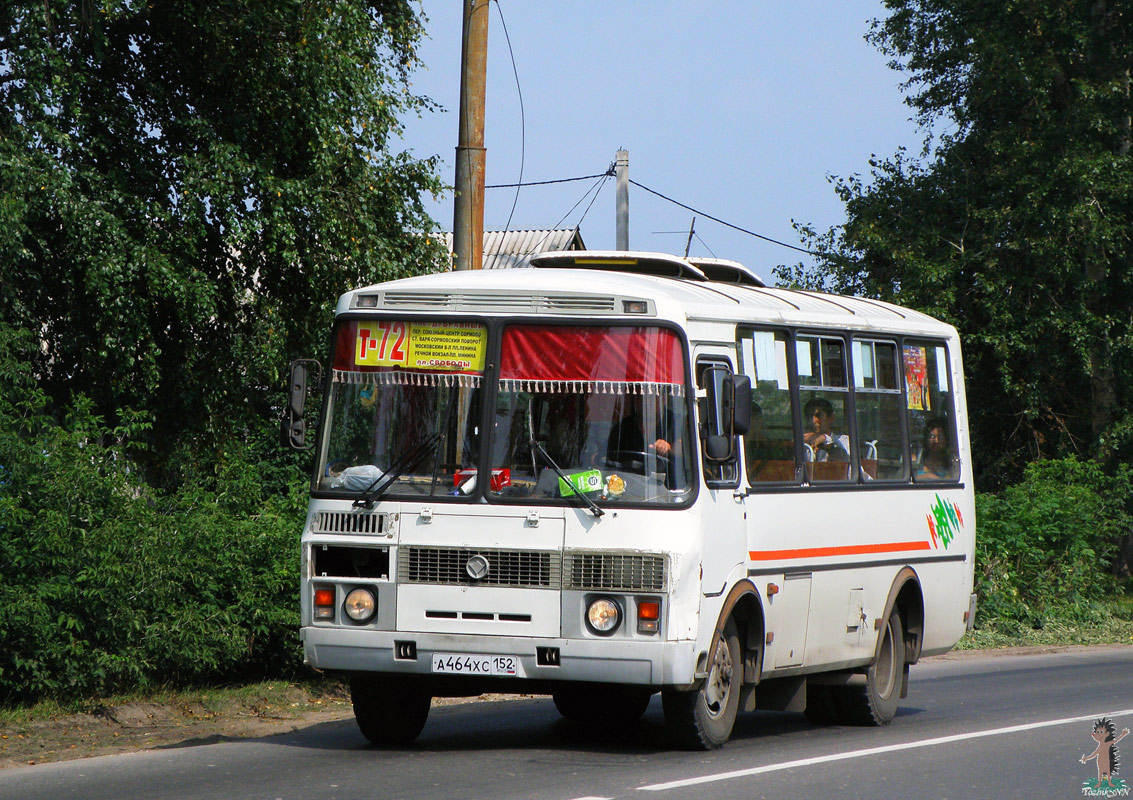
x=740 y=109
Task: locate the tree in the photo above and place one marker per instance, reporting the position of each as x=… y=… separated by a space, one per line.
x=1015 y=223
x=186 y=187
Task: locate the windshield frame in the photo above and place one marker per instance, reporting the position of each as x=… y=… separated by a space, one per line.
x=490 y=393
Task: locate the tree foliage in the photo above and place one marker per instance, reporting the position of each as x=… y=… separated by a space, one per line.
x=184 y=190
x=1014 y=224
x=1045 y=544
x=108 y=586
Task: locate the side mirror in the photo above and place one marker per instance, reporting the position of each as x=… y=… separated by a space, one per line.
x=293 y=428
x=728 y=409
x=739 y=387
x=718 y=448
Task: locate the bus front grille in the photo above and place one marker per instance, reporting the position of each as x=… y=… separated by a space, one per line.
x=629 y=572
x=513 y=568
x=349 y=522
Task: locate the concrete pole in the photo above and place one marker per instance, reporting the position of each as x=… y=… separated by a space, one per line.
x=621 y=172
x=468 y=206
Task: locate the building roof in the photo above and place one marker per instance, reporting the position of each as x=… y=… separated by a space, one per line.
x=512 y=249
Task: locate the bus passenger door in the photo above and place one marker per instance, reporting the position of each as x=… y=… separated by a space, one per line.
x=722 y=504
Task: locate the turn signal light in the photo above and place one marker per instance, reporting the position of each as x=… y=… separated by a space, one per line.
x=324 y=603
x=648 y=616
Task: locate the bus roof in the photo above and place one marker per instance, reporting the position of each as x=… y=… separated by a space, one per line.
x=670 y=291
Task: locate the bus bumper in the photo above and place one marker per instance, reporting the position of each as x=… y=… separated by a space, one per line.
x=646 y=663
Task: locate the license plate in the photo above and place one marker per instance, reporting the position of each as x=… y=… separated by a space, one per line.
x=460 y=664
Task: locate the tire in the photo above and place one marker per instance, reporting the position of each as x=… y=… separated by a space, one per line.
x=611 y=705
x=876 y=702
x=703 y=718
x=389 y=712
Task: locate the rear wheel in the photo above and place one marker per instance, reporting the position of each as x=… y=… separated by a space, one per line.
x=876 y=702
x=389 y=712
x=703 y=719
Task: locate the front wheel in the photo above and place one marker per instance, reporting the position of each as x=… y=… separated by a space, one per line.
x=876 y=702
x=389 y=712
x=702 y=719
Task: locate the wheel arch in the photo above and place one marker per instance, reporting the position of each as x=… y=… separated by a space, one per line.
x=906 y=598
x=744 y=605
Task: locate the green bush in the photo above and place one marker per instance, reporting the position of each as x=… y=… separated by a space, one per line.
x=1045 y=546
x=108 y=586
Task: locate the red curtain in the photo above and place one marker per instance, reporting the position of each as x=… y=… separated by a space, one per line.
x=592 y=354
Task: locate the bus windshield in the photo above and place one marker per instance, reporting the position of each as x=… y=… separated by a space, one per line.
x=596 y=410
x=404 y=408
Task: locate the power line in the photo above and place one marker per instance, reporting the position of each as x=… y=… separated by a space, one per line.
x=605 y=174
x=522 y=122
x=596 y=188
x=722 y=222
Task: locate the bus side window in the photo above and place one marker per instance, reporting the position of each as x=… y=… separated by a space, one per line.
x=769 y=444
x=877 y=402
x=824 y=395
x=930 y=411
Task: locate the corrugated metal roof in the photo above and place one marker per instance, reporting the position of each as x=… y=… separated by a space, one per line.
x=512 y=249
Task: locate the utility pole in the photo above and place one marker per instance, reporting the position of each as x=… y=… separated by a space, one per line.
x=621 y=172
x=468 y=206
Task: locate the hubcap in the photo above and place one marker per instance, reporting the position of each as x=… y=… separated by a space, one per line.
x=719 y=680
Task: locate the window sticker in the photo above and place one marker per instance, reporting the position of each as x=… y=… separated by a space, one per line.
x=863 y=365
x=781 y=359
x=766 y=364
x=941 y=370
x=437 y=346
x=803 y=357
x=748 y=357
x=916 y=377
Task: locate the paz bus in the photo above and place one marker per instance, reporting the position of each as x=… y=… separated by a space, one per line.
x=619 y=474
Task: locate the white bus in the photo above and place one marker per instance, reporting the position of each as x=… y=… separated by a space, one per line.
x=618 y=474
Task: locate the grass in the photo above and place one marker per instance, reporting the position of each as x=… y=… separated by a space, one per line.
x=1110 y=623
x=269 y=698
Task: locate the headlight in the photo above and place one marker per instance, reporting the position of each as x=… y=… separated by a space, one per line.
x=360 y=605
x=603 y=615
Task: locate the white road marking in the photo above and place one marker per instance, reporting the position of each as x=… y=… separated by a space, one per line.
x=872 y=751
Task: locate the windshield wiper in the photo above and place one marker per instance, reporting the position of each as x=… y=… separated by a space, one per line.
x=372 y=493
x=594 y=507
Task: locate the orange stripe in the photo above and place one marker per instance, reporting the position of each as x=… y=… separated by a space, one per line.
x=845 y=550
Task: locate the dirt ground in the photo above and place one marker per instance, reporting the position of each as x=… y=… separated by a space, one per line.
x=130 y=727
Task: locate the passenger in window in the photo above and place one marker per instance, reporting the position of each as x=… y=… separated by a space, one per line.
x=936 y=461
x=819 y=417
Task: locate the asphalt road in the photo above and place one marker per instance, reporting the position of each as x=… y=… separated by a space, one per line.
x=983 y=726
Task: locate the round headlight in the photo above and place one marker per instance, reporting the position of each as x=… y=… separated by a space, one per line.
x=603 y=615
x=360 y=605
